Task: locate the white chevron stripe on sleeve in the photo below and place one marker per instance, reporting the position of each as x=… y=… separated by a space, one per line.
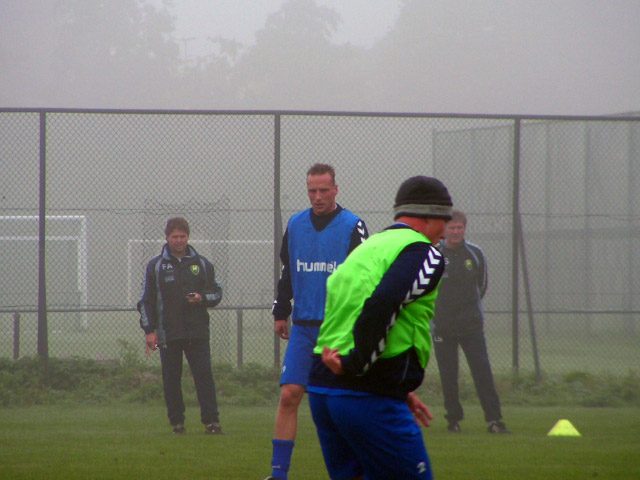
x=420 y=284
x=425 y=274
x=360 y=228
x=381 y=344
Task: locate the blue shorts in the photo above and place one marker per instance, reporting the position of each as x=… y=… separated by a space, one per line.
x=369 y=435
x=297 y=359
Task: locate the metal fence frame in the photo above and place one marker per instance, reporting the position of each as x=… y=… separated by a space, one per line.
x=518 y=260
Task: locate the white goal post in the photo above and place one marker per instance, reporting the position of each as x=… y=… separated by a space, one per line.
x=79 y=237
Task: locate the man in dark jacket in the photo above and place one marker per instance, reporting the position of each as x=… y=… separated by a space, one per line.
x=459 y=320
x=179 y=286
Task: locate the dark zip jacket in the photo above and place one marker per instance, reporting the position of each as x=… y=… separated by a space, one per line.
x=459 y=305
x=163 y=305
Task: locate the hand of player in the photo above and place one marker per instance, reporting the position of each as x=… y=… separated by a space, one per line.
x=419 y=409
x=331 y=358
x=151 y=343
x=280 y=327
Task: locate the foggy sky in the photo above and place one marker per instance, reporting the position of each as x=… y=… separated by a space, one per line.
x=566 y=57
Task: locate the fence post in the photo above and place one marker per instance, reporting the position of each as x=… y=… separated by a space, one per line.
x=629 y=325
x=239 y=336
x=277 y=226
x=514 y=246
x=16 y=335
x=527 y=292
x=515 y=206
x=43 y=336
x=588 y=250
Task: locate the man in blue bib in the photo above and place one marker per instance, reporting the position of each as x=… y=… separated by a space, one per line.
x=316 y=241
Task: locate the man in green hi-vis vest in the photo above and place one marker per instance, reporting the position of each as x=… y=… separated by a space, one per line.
x=374 y=344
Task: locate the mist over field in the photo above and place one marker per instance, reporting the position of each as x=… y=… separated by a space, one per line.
x=573 y=57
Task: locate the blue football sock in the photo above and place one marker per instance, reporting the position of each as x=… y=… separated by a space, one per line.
x=282 y=450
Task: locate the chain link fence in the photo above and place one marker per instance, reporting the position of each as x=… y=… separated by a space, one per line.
x=552 y=202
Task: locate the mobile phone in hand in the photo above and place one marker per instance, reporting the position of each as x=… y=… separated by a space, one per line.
x=191 y=294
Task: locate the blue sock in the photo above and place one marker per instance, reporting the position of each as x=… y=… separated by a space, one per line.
x=282 y=450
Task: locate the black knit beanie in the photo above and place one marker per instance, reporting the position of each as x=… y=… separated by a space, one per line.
x=423 y=197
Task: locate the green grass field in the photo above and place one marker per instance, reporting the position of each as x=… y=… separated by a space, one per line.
x=131 y=441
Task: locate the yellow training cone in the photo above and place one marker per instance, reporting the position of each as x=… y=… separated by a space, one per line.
x=563 y=428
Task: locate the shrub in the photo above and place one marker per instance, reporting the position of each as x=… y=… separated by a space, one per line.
x=130 y=380
x=89 y=381
x=574 y=388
